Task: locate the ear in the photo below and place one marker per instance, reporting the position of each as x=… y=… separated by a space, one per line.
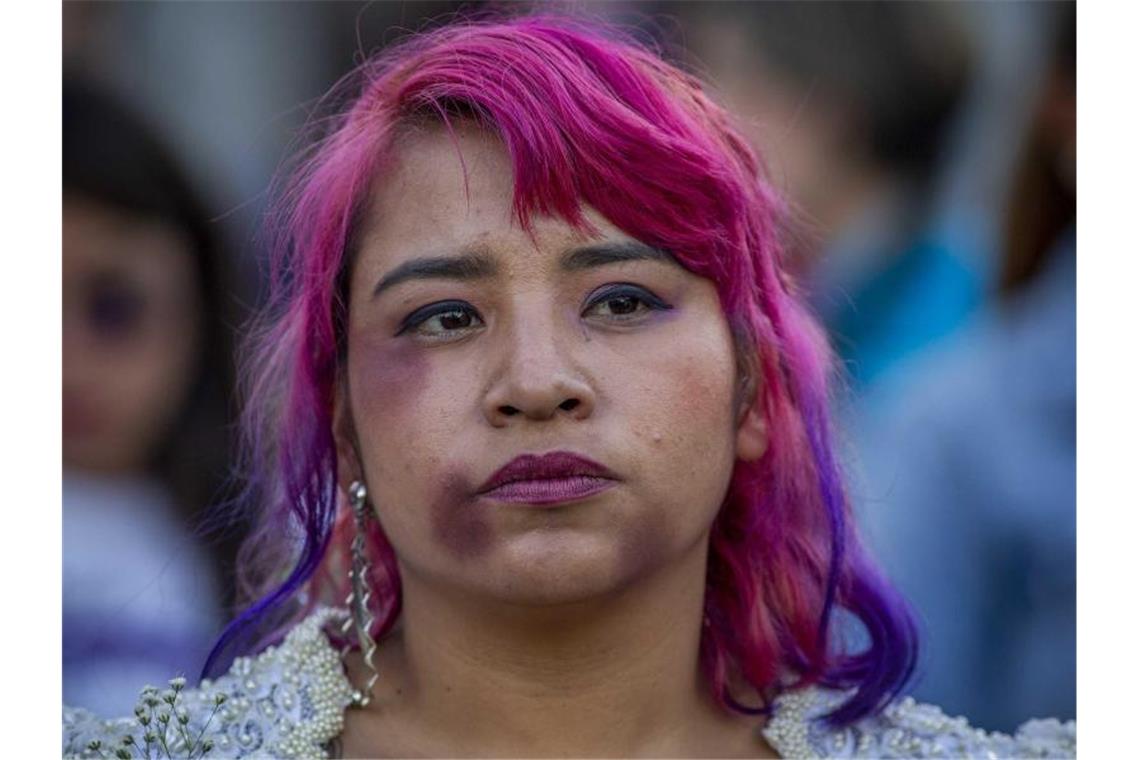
x=344 y=435
x=751 y=424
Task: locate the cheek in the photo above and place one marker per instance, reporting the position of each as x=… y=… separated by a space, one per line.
x=457 y=525
x=685 y=397
x=644 y=546
x=386 y=383
x=386 y=391
x=394 y=406
x=681 y=413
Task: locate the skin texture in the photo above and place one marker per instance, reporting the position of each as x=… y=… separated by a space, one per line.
x=124 y=377
x=571 y=629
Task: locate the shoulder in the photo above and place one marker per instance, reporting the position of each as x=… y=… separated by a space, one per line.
x=288 y=701
x=906 y=728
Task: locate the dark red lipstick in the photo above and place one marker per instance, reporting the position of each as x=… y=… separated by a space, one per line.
x=552 y=478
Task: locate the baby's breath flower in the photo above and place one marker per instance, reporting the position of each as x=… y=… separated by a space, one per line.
x=127 y=740
x=150 y=738
x=148 y=697
x=164 y=718
x=219 y=698
x=178 y=683
x=207 y=745
x=169 y=696
x=123 y=754
x=183 y=718
x=94 y=745
x=144 y=720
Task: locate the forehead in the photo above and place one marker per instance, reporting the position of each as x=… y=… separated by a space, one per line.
x=98 y=237
x=441 y=190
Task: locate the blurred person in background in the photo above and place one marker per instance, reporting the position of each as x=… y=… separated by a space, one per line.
x=969 y=452
x=853 y=103
x=961 y=412
x=146 y=384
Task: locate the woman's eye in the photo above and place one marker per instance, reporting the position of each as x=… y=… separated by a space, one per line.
x=441 y=320
x=623 y=303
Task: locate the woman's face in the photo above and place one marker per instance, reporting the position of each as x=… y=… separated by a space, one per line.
x=470 y=345
x=130 y=334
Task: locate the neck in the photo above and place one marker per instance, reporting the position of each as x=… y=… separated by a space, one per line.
x=611 y=676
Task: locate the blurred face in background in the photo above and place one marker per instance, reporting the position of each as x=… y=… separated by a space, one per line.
x=130 y=334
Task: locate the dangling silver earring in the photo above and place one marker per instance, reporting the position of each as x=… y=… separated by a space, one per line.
x=360 y=595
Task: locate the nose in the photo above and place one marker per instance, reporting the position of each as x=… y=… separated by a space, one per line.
x=537 y=379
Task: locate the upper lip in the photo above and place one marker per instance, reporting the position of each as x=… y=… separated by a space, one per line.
x=551 y=466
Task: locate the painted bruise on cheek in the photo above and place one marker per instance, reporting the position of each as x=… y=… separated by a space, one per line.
x=390 y=382
x=390 y=377
x=456 y=524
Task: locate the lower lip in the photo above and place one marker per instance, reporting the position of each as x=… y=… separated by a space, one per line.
x=554 y=491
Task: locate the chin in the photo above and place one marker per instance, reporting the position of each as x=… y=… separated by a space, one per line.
x=553 y=568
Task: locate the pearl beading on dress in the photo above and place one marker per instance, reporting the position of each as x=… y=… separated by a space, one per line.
x=904 y=729
x=290 y=702
x=287 y=702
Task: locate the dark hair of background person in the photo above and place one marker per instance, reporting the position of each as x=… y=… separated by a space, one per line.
x=896 y=75
x=110 y=155
x=1043 y=200
x=902 y=78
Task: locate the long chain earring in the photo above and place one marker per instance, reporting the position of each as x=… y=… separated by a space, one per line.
x=361 y=595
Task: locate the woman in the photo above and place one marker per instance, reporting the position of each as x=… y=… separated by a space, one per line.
x=146 y=387
x=536 y=395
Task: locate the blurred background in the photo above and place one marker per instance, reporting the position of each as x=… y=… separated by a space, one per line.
x=929 y=152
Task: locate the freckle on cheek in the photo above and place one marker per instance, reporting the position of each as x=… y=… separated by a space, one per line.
x=458 y=525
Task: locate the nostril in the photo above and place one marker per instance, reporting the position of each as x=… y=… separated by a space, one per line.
x=509 y=411
x=569 y=404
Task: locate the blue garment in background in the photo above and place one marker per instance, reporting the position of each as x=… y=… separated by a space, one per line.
x=968 y=457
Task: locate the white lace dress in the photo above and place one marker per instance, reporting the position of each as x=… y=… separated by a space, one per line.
x=290 y=701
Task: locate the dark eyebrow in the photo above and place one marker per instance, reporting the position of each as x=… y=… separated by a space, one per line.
x=471 y=265
x=615 y=252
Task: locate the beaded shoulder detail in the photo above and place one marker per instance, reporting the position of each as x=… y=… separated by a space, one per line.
x=905 y=729
x=290 y=702
x=286 y=702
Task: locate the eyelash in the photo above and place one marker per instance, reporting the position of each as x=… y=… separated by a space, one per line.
x=417 y=319
x=626 y=290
